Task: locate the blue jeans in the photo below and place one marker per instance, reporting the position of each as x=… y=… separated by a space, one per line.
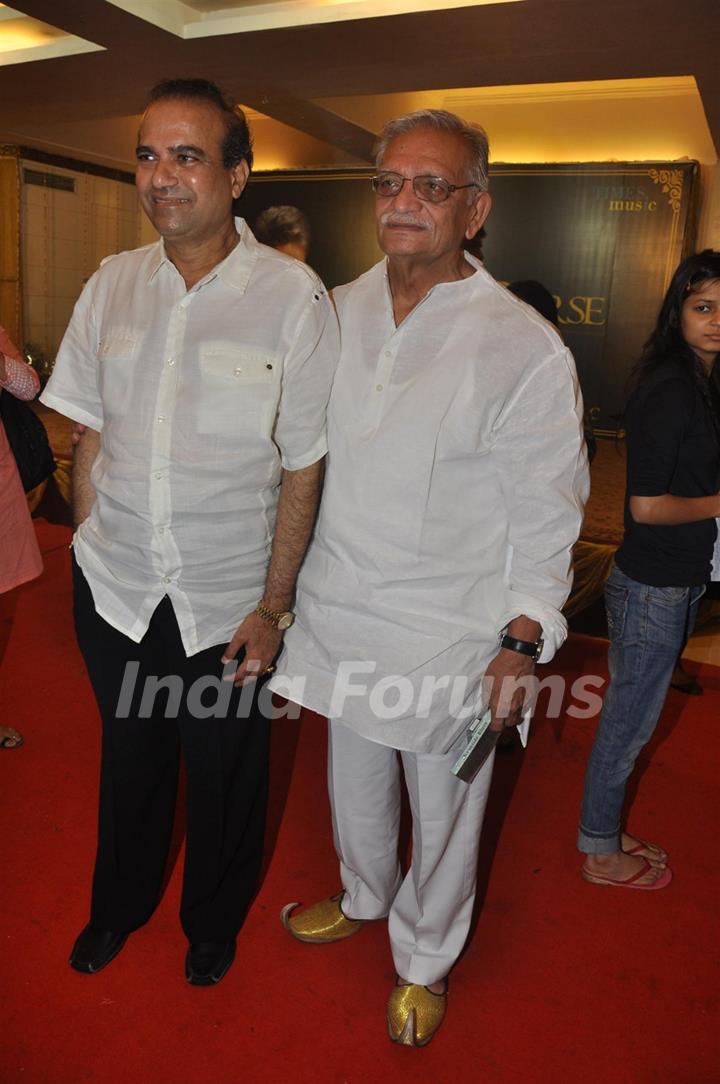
x=648 y=627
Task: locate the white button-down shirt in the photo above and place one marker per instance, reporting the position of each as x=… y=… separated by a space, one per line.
x=201 y=397
x=455 y=489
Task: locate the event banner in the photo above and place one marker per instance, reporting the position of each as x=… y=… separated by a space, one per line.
x=603 y=238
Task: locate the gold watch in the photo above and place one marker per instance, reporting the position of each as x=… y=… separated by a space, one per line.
x=281 y=621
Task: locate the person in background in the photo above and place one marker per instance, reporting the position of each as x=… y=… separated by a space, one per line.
x=539 y=297
x=20 y=558
x=663 y=563
x=284 y=228
x=455 y=488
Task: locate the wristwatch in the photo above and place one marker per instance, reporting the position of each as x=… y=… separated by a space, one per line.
x=531 y=648
x=281 y=621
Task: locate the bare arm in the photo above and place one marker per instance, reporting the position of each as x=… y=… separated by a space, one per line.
x=83 y=494
x=668 y=510
x=297 y=508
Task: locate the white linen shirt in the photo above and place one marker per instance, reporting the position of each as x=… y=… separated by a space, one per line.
x=201 y=396
x=454 y=493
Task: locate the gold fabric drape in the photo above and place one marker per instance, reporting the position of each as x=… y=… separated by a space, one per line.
x=10 y=262
x=592 y=562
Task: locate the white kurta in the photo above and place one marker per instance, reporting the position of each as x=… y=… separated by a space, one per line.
x=202 y=396
x=454 y=494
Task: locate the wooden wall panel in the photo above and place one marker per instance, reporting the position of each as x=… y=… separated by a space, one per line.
x=10 y=263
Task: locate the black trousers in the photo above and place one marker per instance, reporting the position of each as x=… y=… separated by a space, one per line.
x=226 y=765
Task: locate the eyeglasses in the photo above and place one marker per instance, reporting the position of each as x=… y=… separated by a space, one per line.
x=427 y=188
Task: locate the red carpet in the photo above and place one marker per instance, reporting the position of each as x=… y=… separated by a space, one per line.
x=561 y=980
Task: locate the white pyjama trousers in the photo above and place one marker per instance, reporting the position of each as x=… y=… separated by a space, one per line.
x=430 y=909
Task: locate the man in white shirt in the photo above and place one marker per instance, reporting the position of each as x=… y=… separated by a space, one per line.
x=454 y=494
x=201 y=366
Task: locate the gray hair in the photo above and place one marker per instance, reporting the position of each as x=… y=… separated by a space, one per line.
x=473 y=136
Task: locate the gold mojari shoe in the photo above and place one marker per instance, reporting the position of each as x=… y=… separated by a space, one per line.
x=414 y=1014
x=320 y=924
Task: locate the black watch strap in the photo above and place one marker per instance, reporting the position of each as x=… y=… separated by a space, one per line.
x=531 y=648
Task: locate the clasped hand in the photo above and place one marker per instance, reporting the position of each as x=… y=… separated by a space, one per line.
x=261 y=643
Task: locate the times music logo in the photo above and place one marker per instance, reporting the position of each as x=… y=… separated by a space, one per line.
x=622 y=198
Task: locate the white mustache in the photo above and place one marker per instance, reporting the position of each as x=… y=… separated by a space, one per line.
x=392 y=218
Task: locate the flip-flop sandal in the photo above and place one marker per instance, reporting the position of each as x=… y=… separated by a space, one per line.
x=643 y=845
x=631 y=882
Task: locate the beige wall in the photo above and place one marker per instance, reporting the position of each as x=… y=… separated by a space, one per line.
x=64 y=237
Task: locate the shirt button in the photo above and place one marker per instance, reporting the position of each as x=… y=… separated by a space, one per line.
x=161 y=417
x=166 y=579
x=378 y=387
x=388 y=353
x=238 y=372
x=158 y=476
x=161 y=530
x=171 y=361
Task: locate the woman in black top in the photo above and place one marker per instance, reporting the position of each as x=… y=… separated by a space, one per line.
x=652 y=594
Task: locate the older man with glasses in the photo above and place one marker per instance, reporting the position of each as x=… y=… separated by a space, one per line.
x=454 y=494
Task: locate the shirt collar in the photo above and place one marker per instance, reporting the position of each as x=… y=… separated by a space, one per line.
x=234 y=270
x=157 y=259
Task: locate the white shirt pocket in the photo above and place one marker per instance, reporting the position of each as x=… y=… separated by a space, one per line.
x=240 y=388
x=117 y=353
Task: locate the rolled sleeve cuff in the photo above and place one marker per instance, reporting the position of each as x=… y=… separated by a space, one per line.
x=554 y=625
x=70 y=410
x=299 y=462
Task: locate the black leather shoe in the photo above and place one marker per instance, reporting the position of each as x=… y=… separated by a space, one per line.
x=94 y=949
x=207 y=961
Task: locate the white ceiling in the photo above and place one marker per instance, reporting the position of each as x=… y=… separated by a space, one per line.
x=551 y=80
x=23 y=39
x=206 y=18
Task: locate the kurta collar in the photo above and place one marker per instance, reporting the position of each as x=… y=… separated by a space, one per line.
x=472 y=260
x=384 y=269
